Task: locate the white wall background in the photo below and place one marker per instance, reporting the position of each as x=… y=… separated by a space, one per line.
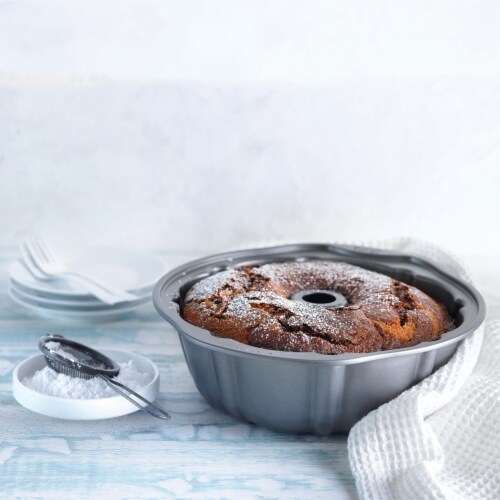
x=210 y=125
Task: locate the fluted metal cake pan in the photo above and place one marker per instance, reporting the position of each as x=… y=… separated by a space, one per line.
x=298 y=392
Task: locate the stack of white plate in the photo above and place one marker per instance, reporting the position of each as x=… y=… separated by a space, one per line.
x=131 y=271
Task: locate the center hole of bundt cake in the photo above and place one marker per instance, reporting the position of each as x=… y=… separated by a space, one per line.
x=324 y=298
x=319 y=297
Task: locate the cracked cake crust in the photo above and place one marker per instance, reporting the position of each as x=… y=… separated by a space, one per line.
x=251 y=304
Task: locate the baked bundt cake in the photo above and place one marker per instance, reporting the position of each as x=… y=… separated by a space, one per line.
x=254 y=305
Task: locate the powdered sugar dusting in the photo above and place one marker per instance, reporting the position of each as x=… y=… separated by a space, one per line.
x=209 y=286
x=340 y=276
x=254 y=303
x=248 y=303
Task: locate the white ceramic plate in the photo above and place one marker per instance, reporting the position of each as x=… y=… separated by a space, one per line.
x=127 y=269
x=89 y=314
x=82 y=409
x=79 y=303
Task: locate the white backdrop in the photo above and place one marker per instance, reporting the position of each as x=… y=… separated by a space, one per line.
x=212 y=125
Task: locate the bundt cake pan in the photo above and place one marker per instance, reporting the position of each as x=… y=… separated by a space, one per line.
x=304 y=392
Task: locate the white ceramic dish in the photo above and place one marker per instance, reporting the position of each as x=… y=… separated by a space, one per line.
x=82 y=409
x=63 y=300
x=88 y=315
x=83 y=304
x=126 y=269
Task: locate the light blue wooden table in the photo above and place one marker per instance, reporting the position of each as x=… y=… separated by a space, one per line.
x=199 y=453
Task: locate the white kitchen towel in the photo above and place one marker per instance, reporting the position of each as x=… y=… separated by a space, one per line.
x=440 y=439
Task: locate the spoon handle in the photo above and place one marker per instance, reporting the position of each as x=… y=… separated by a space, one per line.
x=150 y=408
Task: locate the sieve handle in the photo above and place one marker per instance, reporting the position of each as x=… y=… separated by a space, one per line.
x=150 y=408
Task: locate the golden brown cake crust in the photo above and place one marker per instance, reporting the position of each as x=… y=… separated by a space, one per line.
x=252 y=305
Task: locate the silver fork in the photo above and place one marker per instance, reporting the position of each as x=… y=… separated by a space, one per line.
x=41 y=262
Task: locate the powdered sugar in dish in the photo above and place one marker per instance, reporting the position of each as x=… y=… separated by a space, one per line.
x=48 y=381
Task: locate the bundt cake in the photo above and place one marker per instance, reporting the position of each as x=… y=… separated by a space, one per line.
x=265 y=306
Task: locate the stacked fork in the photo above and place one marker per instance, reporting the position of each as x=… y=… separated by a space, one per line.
x=95 y=283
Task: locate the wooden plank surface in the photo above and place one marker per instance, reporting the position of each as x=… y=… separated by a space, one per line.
x=199 y=453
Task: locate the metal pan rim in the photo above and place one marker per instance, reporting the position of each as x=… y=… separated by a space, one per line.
x=164 y=302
